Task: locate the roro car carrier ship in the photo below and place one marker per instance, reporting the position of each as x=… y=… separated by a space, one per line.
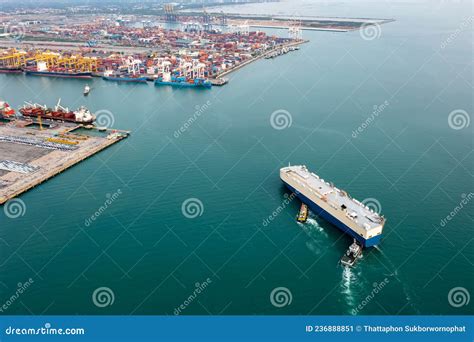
x=334 y=205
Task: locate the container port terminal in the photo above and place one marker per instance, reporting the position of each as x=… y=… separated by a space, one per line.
x=132 y=64
x=33 y=150
x=174 y=47
x=192 y=54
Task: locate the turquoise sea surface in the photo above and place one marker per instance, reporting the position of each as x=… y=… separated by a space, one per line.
x=192 y=189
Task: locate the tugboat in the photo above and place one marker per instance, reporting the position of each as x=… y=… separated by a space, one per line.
x=87 y=90
x=352 y=254
x=303 y=214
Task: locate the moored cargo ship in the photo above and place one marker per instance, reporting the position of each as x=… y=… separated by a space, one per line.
x=81 y=115
x=334 y=205
x=125 y=78
x=129 y=71
x=10 y=70
x=5 y=110
x=42 y=69
x=184 y=83
x=189 y=74
x=65 y=74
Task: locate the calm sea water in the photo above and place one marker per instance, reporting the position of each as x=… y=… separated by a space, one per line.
x=152 y=257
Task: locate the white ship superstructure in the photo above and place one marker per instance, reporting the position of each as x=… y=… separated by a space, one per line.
x=334 y=205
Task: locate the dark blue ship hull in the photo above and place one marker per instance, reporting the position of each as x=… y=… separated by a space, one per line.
x=125 y=79
x=59 y=74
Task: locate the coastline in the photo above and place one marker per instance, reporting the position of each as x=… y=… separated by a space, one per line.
x=237 y=67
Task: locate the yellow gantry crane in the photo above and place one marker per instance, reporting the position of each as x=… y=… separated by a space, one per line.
x=51 y=58
x=17 y=59
x=67 y=62
x=71 y=62
x=88 y=64
x=12 y=58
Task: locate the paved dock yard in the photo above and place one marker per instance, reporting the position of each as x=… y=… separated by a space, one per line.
x=30 y=156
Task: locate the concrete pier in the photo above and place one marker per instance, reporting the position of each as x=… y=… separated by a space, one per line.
x=263 y=55
x=44 y=161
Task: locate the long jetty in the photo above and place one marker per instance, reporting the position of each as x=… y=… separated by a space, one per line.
x=79 y=155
